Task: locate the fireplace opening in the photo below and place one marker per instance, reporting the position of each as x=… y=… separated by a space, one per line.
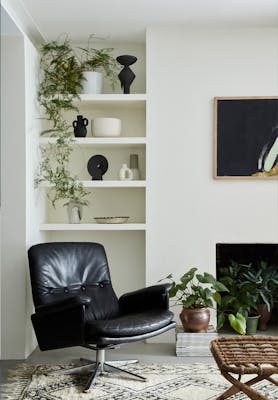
x=253 y=266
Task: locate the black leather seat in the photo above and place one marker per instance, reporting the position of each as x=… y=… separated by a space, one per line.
x=75 y=304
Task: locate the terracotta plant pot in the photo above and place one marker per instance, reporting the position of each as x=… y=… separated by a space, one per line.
x=195 y=319
x=264 y=316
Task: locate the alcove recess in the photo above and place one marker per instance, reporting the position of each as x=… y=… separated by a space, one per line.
x=124 y=243
x=254 y=254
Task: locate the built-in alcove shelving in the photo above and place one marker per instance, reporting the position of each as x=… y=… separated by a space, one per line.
x=109 y=195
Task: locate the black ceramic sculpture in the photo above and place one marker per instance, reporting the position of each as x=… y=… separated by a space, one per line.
x=97 y=166
x=126 y=75
x=79 y=126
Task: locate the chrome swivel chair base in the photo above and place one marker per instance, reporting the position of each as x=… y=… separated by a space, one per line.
x=97 y=367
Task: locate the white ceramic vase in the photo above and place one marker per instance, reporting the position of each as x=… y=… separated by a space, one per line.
x=125 y=173
x=92 y=83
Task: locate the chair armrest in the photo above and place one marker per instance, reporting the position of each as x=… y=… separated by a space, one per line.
x=152 y=297
x=61 y=323
x=62 y=305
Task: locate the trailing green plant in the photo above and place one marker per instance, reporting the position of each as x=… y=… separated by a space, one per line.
x=61 y=80
x=54 y=169
x=197 y=291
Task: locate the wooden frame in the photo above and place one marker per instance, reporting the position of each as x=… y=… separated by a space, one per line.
x=245 y=137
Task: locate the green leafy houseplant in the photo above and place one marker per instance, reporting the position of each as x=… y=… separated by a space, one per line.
x=99 y=60
x=264 y=277
x=60 y=82
x=242 y=296
x=197 y=291
x=55 y=158
x=249 y=285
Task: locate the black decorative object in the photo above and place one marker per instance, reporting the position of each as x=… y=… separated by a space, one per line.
x=97 y=166
x=79 y=125
x=126 y=75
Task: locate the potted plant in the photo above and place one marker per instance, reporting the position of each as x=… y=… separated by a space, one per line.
x=196 y=293
x=53 y=169
x=242 y=296
x=61 y=80
x=264 y=277
x=95 y=62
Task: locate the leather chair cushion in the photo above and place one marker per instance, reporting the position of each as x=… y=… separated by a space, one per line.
x=129 y=325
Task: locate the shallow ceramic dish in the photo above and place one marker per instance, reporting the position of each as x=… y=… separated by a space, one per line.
x=111 y=220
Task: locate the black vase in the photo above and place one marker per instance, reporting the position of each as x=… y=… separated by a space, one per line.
x=79 y=125
x=126 y=75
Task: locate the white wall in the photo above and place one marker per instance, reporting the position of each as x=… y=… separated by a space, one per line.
x=188 y=211
x=19 y=209
x=13 y=185
x=35 y=202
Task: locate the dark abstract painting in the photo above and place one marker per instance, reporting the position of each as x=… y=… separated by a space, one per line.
x=246 y=137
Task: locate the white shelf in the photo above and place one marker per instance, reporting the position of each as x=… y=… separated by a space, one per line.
x=105 y=184
x=92 y=227
x=126 y=99
x=95 y=141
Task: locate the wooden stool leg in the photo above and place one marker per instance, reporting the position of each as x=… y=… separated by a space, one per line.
x=233 y=389
x=272 y=380
x=251 y=393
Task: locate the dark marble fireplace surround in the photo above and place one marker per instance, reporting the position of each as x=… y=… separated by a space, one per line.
x=246 y=253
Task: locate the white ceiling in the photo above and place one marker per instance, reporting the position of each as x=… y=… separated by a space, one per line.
x=126 y=20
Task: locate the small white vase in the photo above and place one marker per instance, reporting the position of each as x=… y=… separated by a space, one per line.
x=125 y=173
x=92 y=83
x=106 y=127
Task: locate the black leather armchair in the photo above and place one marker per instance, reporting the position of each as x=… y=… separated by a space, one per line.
x=75 y=304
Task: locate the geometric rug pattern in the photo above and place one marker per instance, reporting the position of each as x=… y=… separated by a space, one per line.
x=164 y=382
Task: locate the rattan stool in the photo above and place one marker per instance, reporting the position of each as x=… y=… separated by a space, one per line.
x=246 y=355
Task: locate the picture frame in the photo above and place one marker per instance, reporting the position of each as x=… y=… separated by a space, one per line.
x=246 y=137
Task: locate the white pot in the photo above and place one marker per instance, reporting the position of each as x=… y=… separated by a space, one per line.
x=106 y=127
x=92 y=83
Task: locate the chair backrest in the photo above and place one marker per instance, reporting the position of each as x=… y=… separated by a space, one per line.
x=65 y=269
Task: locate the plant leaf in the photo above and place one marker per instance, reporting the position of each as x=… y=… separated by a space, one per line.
x=238 y=323
x=217 y=297
x=220 y=320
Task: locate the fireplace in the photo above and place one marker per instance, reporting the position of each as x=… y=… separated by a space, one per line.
x=243 y=260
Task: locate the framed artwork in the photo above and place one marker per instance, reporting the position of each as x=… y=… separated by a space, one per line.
x=246 y=137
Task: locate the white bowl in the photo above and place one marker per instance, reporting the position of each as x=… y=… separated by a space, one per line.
x=106 y=127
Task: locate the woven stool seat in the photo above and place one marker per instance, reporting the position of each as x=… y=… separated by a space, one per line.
x=246 y=355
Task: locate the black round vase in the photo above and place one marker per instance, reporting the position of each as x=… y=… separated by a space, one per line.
x=126 y=75
x=79 y=125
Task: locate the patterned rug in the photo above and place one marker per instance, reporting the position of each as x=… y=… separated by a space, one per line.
x=164 y=382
